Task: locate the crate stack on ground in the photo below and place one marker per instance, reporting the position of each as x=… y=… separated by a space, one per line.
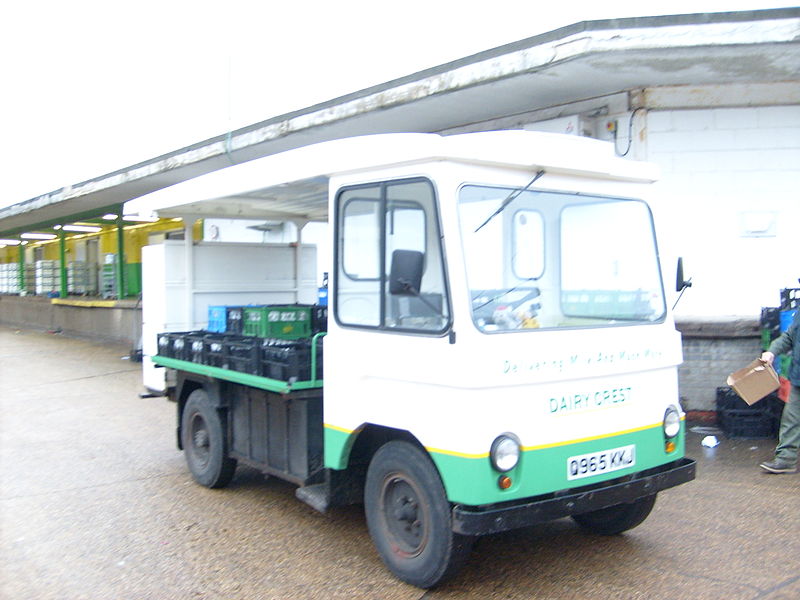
x=737 y=419
x=79 y=278
x=273 y=341
x=9 y=278
x=776 y=320
x=47 y=276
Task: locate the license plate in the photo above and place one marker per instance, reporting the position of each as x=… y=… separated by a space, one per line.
x=598 y=463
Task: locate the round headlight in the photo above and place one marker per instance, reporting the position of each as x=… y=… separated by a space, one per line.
x=672 y=422
x=504 y=453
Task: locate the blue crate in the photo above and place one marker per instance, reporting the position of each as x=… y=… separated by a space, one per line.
x=787 y=316
x=217 y=319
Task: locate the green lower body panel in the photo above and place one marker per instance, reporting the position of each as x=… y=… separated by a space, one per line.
x=472 y=480
x=337 y=442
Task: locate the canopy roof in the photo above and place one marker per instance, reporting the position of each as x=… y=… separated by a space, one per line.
x=582 y=63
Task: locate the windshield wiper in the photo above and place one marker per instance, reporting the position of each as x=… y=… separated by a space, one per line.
x=510 y=198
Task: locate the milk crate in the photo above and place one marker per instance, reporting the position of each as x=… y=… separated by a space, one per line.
x=217 y=319
x=319 y=318
x=747 y=424
x=234 y=319
x=242 y=354
x=171 y=344
x=790 y=298
x=286 y=322
x=234 y=352
x=214 y=351
x=728 y=399
x=289 y=360
x=787 y=316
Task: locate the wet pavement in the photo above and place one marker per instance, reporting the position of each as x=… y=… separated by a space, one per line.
x=96 y=503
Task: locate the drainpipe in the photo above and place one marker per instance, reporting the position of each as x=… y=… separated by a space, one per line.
x=120 y=258
x=62 y=251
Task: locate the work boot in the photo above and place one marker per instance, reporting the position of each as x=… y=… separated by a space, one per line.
x=778 y=466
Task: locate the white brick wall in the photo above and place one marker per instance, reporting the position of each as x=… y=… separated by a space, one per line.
x=718 y=165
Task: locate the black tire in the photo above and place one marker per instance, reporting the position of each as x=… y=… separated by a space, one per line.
x=616 y=519
x=409 y=516
x=205 y=442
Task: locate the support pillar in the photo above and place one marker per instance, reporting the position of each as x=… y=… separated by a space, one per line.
x=62 y=259
x=120 y=258
x=21 y=274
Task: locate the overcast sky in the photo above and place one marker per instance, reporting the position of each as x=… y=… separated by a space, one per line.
x=89 y=87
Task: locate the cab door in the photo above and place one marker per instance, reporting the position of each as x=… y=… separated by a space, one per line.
x=391 y=309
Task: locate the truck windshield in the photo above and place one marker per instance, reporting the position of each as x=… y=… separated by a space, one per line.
x=555 y=259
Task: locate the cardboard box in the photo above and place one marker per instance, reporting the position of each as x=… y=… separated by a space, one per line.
x=755 y=381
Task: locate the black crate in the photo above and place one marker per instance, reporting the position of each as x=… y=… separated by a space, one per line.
x=790 y=298
x=747 y=424
x=284 y=360
x=234 y=352
x=178 y=344
x=289 y=361
x=242 y=354
x=234 y=319
x=319 y=318
x=770 y=318
x=215 y=349
x=164 y=341
x=215 y=353
x=728 y=399
x=773 y=406
x=319 y=352
x=193 y=347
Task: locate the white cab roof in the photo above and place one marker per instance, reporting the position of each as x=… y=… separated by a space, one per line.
x=293 y=185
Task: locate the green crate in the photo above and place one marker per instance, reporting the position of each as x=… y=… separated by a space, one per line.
x=281 y=322
x=766 y=338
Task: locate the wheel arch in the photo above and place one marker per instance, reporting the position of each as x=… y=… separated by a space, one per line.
x=352 y=457
x=185 y=384
x=366 y=440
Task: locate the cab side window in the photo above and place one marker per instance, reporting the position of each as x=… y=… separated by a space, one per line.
x=379 y=228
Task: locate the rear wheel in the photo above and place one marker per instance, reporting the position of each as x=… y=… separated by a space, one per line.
x=205 y=442
x=408 y=516
x=618 y=518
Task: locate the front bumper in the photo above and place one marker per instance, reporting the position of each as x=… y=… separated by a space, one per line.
x=483 y=520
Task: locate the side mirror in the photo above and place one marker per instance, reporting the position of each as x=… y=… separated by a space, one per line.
x=681 y=283
x=405 y=275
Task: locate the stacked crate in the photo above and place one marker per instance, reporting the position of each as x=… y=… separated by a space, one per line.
x=776 y=320
x=281 y=322
x=273 y=341
x=737 y=419
x=47 y=277
x=9 y=278
x=79 y=280
x=282 y=360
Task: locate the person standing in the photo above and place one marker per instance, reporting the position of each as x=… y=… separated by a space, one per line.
x=785 y=460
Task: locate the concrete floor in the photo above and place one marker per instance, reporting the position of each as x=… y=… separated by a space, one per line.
x=96 y=503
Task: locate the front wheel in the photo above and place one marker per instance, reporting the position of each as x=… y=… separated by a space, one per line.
x=408 y=516
x=618 y=518
x=204 y=442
